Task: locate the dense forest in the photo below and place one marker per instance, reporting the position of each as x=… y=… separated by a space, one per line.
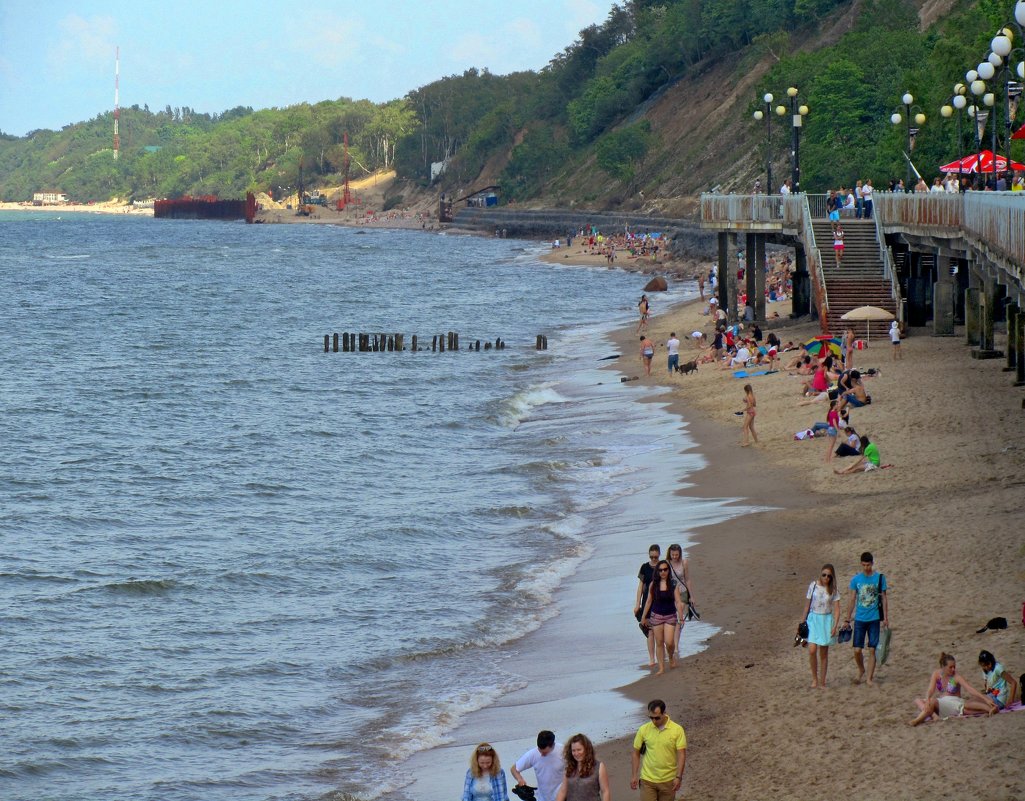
x=597 y=108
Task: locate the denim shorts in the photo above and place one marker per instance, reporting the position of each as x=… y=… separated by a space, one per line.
x=863 y=627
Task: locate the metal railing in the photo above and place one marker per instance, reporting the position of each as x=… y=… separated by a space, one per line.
x=814 y=257
x=928 y=210
x=998 y=220
x=741 y=208
x=889 y=273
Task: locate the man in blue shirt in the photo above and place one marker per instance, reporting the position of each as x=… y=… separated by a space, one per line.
x=870 y=606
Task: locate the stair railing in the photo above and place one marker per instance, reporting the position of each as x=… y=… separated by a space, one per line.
x=889 y=273
x=812 y=254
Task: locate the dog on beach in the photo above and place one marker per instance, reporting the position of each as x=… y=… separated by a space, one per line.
x=689 y=367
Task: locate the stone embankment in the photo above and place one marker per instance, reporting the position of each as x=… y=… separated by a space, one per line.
x=686 y=239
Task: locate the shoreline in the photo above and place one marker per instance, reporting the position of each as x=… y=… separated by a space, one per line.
x=931 y=522
x=79 y=208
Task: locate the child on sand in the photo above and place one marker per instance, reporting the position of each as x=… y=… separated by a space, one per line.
x=749 y=415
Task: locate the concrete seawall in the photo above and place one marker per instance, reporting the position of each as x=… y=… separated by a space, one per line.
x=685 y=237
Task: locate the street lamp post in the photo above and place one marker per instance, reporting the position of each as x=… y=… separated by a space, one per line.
x=1003 y=47
x=908 y=99
x=958 y=103
x=758 y=115
x=797 y=114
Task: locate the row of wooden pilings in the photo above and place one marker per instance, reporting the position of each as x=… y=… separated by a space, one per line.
x=380 y=343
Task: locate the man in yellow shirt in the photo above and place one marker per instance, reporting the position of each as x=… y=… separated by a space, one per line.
x=664 y=746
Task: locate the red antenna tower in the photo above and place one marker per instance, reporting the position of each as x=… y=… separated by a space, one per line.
x=117 y=109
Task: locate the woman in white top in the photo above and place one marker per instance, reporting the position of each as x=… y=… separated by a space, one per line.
x=822 y=613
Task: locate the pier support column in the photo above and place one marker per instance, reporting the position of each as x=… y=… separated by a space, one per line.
x=731 y=283
x=987 y=308
x=750 y=269
x=1019 y=346
x=972 y=315
x=723 y=269
x=759 y=299
x=801 y=280
x=1013 y=312
x=943 y=297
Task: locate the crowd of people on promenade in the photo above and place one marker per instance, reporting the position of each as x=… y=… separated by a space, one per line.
x=573 y=772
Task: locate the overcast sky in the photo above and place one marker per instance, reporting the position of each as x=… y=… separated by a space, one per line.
x=57 y=56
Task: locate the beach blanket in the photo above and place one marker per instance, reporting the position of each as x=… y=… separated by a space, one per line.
x=746 y=374
x=1015 y=707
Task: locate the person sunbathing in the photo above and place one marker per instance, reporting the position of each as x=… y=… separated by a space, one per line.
x=949 y=695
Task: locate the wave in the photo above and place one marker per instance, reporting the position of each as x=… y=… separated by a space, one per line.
x=141 y=586
x=519 y=407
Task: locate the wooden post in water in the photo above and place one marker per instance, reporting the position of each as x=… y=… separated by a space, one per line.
x=455 y=341
x=476 y=346
x=434 y=343
x=441 y=343
x=487 y=346
x=335 y=343
x=414 y=347
x=537 y=345
x=327 y=340
x=399 y=341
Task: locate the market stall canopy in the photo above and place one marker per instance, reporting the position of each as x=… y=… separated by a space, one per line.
x=981 y=162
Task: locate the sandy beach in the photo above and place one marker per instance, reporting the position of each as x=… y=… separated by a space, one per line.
x=944 y=523
x=107 y=207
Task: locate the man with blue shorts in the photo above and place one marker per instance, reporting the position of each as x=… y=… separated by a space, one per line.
x=869 y=604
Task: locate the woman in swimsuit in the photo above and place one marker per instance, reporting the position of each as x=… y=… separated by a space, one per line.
x=749 y=415
x=647 y=352
x=949 y=695
x=661 y=611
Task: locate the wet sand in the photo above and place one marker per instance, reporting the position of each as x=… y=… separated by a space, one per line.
x=945 y=525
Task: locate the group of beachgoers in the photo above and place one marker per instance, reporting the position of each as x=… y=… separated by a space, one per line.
x=573 y=772
x=827 y=372
x=663 y=603
x=948 y=694
x=641 y=244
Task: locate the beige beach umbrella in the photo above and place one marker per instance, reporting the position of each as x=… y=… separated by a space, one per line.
x=868 y=314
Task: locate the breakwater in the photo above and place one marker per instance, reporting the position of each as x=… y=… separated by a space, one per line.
x=685 y=238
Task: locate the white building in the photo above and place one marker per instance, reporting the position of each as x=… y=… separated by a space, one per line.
x=49 y=198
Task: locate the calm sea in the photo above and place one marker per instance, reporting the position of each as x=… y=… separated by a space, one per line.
x=235 y=567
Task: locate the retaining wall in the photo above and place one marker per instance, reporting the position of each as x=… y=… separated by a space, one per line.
x=685 y=237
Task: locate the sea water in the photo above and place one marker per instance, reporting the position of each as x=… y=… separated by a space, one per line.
x=233 y=566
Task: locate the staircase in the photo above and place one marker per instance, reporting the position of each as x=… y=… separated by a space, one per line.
x=858 y=281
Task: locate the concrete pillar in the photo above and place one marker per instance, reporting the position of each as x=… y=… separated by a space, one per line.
x=724 y=268
x=759 y=303
x=987 y=303
x=801 y=299
x=1019 y=347
x=972 y=315
x=750 y=269
x=943 y=309
x=1012 y=336
x=731 y=281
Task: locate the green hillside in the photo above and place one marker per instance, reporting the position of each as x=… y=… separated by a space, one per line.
x=656 y=102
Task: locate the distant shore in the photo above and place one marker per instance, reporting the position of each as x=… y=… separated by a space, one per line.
x=80 y=208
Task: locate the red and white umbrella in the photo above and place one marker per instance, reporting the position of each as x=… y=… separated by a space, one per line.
x=980 y=162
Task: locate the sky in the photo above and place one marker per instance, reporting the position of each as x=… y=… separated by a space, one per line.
x=57 y=57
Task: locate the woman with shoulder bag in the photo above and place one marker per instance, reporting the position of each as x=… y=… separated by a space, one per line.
x=680 y=573
x=822 y=615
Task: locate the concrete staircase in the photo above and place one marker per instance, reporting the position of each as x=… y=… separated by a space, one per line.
x=859 y=281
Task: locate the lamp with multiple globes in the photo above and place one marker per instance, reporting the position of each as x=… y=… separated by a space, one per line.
x=919 y=119
x=767 y=116
x=957 y=103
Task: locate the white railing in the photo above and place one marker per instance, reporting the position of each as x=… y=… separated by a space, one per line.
x=925 y=209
